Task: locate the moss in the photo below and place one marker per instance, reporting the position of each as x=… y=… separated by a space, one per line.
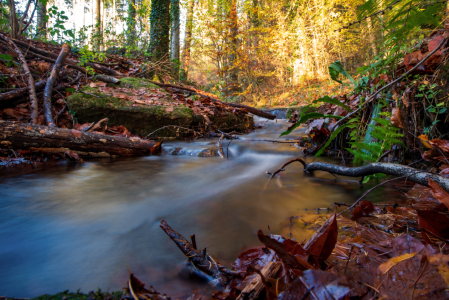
x=91 y=105
x=137 y=83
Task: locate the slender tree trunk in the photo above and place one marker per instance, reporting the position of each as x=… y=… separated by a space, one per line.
x=233 y=68
x=160 y=29
x=131 y=23
x=188 y=37
x=371 y=36
x=13 y=20
x=175 y=31
x=98 y=24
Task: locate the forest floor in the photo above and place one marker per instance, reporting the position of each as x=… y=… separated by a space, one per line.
x=395 y=250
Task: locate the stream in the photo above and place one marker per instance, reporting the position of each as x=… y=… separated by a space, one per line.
x=77 y=226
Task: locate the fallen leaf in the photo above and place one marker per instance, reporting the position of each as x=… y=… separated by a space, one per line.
x=386 y=266
x=170 y=108
x=439 y=193
x=435 y=222
x=294 y=262
x=396 y=118
x=323 y=242
x=423 y=138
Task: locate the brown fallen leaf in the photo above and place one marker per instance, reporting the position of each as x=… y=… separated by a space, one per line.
x=170 y=108
x=396 y=118
x=323 y=242
x=294 y=262
x=439 y=193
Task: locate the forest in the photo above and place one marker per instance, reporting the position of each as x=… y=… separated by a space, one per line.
x=305 y=142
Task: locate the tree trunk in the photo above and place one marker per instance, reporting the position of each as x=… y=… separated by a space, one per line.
x=98 y=25
x=15 y=135
x=160 y=30
x=131 y=23
x=175 y=30
x=188 y=38
x=41 y=27
x=233 y=68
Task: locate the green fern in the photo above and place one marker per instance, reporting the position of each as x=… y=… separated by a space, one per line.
x=386 y=136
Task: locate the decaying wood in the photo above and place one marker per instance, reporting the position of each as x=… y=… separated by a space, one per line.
x=253 y=289
x=31 y=82
x=15 y=135
x=50 y=83
x=412 y=174
x=249 y=109
x=200 y=259
x=107 y=79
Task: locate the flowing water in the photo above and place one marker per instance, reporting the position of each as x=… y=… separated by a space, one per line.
x=79 y=225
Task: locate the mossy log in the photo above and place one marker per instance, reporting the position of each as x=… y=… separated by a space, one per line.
x=17 y=135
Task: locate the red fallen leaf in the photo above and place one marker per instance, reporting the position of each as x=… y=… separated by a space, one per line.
x=366 y=206
x=435 y=222
x=412 y=59
x=293 y=261
x=323 y=242
x=439 y=193
x=435 y=42
x=77 y=133
x=357 y=213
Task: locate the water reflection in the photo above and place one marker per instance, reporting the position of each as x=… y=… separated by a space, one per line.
x=79 y=227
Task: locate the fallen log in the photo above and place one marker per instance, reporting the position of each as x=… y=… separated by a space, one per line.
x=50 y=83
x=249 y=109
x=15 y=135
x=411 y=174
x=18 y=93
x=47 y=54
x=200 y=259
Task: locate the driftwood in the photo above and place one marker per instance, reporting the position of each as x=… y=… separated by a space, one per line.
x=409 y=173
x=50 y=83
x=178 y=88
x=200 y=259
x=15 y=135
x=31 y=82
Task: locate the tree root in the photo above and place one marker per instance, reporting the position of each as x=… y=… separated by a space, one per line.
x=412 y=174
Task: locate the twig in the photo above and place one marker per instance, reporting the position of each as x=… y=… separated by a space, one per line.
x=31 y=82
x=50 y=83
x=94 y=126
x=175 y=126
x=349 y=258
x=373 y=188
